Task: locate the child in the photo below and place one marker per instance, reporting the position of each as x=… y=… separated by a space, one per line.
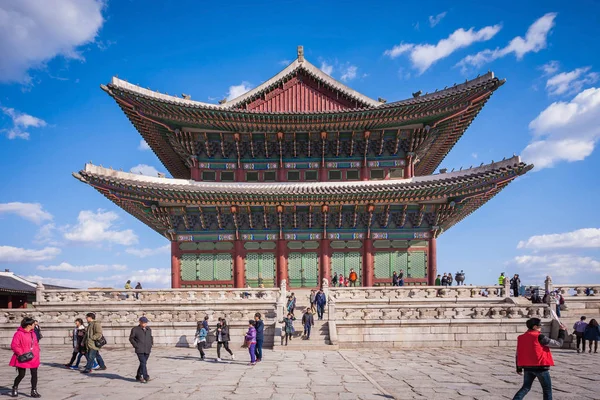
x=250 y=340
x=201 y=333
x=592 y=334
x=579 y=329
x=342 y=280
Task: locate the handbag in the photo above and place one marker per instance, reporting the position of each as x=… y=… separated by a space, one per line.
x=27 y=356
x=100 y=342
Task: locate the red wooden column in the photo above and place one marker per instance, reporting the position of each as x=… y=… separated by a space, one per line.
x=238 y=264
x=195 y=173
x=368 y=263
x=175 y=265
x=282 y=262
x=408 y=168
x=325 y=267
x=432 y=261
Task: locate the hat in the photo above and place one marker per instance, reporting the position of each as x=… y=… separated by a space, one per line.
x=143 y=320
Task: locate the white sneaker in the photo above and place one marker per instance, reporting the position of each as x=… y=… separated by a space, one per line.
x=218 y=360
x=233 y=356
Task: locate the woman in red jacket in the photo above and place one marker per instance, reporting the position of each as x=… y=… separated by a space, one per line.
x=25 y=341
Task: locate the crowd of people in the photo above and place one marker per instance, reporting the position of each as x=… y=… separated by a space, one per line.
x=341 y=281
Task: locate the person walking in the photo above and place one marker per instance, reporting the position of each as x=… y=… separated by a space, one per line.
x=401 y=278
x=92 y=335
x=291 y=303
x=138 y=287
x=37 y=330
x=77 y=336
x=26 y=356
x=142 y=341
x=394 y=279
x=288 y=327
x=353 y=277
x=312 y=299
x=334 y=280
x=223 y=339
x=308 y=321
x=560 y=300
x=205 y=323
x=592 y=334
x=515 y=284
x=260 y=335
x=579 y=329
x=200 y=338
x=250 y=341
x=534 y=358
x=321 y=301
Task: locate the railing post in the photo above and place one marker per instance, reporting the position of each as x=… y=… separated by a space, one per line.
x=549 y=289
x=39 y=293
x=506 y=288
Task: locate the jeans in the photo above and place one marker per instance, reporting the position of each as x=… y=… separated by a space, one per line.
x=558 y=310
x=320 y=310
x=201 y=347
x=94 y=355
x=580 y=340
x=75 y=355
x=223 y=344
x=401 y=282
x=258 y=351
x=529 y=377
x=142 y=371
x=307 y=330
x=252 y=350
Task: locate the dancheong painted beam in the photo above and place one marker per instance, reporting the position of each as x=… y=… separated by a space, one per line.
x=303 y=178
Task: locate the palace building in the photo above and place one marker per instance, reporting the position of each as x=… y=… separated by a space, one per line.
x=303 y=177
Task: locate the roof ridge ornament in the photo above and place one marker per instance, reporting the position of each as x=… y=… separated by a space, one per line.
x=300 y=53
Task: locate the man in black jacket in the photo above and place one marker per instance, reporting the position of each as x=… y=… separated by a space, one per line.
x=260 y=336
x=142 y=341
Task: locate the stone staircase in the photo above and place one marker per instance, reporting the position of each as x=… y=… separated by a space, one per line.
x=574 y=311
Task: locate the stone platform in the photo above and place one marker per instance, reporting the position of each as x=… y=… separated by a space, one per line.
x=481 y=373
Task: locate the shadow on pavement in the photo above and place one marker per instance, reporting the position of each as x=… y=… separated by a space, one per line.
x=111 y=376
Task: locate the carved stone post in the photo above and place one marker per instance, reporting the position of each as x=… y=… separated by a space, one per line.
x=280 y=312
x=39 y=293
x=506 y=288
x=549 y=289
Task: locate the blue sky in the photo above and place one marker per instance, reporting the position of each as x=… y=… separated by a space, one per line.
x=54 y=117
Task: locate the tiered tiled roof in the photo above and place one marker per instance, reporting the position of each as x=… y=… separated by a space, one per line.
x=447 y=113
x=459 y=192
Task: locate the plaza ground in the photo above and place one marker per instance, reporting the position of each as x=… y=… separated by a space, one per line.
x=469 y=373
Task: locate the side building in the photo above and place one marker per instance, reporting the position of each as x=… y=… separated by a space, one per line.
x=301 y=178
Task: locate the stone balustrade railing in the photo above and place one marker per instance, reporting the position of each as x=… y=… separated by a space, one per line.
x=417 y=292
x=578 y=290
x=171 y=296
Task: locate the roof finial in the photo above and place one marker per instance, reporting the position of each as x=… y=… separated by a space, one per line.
x=300 y=53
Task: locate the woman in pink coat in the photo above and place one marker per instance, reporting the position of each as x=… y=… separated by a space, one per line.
x=25 y=341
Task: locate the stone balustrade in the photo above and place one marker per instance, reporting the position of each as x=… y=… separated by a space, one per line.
x=577 y=290
x=393 y=293
x=170 y=296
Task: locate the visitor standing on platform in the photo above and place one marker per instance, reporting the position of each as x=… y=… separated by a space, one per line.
x=534 y=358
x=353 y=277
x=438 y=280
x=26 y=356
x=501 y=279
x=92 y=335
x=449 y=278
x=394 y=279
x=445 y=279
x=223 y=339
x=592 y=334
x=321 y=301
x=77 y=336
x=142 y=341
x=260 y=335
x=250 y=341
x=200 y=339
x=138 y=287
x=308 y=321
x=342 y=282
x=334 y=280
x=401 y=278
x=515 y=284
x=579 y=329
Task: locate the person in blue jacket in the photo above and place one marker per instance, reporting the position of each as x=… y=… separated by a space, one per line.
x=260 y=336
x=321 y=300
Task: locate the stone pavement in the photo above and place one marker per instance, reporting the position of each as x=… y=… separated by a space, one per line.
x=346 y=374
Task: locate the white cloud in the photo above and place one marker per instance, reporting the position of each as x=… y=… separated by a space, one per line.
x=550 y=68
x=146 y=252
x=434 y=20
x=238 y=90
x=32 y=34
x=20 y=122
x=565 y=131
x=327 y=68
x=563 y=267
x=30 y=211
x=94 y=227
x=349 y=73
x=474 y=155
x=535 y=40
x=70 y=283
x=581 y=238
x=20 y=255
x=66 y=267
x=143 y=145
x=144 y=169
x=284 y=62
x=423 y=56
x=571 y=82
